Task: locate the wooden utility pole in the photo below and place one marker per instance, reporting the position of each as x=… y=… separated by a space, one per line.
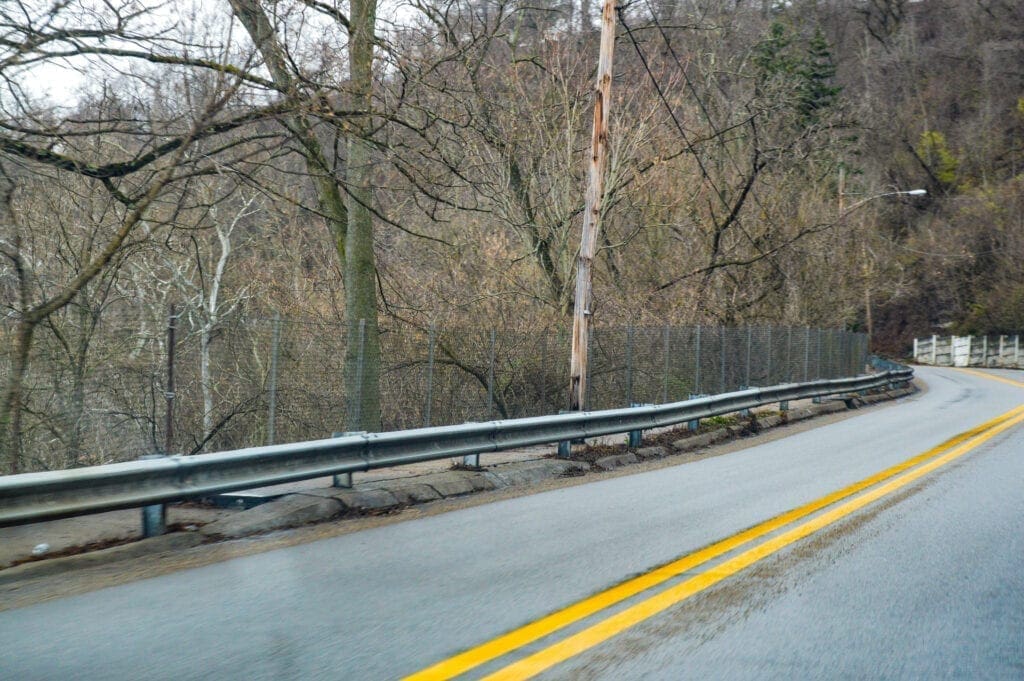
x=592 y=213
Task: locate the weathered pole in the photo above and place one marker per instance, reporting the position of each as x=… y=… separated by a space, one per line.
x=864 y=264
x=172 y=323
x=592 y=212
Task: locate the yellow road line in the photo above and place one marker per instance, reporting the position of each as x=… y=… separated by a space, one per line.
x=994 y=377
x=606 y=629
x=506 y=643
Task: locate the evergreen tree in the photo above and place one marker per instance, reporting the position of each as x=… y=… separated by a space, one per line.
x=817 y=71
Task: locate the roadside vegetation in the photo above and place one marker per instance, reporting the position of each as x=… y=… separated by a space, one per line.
x=395 y=169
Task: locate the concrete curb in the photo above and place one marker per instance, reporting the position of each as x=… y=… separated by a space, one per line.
x=177 y=541
x=607 y=463
x=288 y=511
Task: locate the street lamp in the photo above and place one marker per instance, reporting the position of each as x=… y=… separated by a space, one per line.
x=908 y=192
x=843 y=212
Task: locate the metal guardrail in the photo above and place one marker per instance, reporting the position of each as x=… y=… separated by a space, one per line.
x=33 y=497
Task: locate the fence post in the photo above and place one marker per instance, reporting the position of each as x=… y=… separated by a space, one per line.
x=817 y=361
x=789 y=354
x=172 y=323
x=696 y=379
x=750 y=343
x=935 y=348
x=1016 y=351
x=490 y=379
x=807 y=353
x=275 y=349
x=543 y=374
x=357 y=402
x=590 y=371
x=666 y=339
x=721 y=359
x=431 y=340
x=629 y=365
x=768 y=365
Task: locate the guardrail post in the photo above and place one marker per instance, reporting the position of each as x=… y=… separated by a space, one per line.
x=744 y=412
x=565 y=446
x=154 y=517
x=693 y=425
x=784 y=406
x=344 y=480
x=635 y=437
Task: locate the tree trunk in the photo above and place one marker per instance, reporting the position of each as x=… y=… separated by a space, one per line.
x=11 y=406
x=205 y=381
x=351 y=224
x=362 y=374
x=76 y=404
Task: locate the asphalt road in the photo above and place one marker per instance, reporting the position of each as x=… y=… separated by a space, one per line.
x=926 y=582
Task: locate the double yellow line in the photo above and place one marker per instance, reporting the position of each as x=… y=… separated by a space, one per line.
x=894 y=478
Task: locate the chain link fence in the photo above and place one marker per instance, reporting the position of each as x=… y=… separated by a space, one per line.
x=100 y=392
